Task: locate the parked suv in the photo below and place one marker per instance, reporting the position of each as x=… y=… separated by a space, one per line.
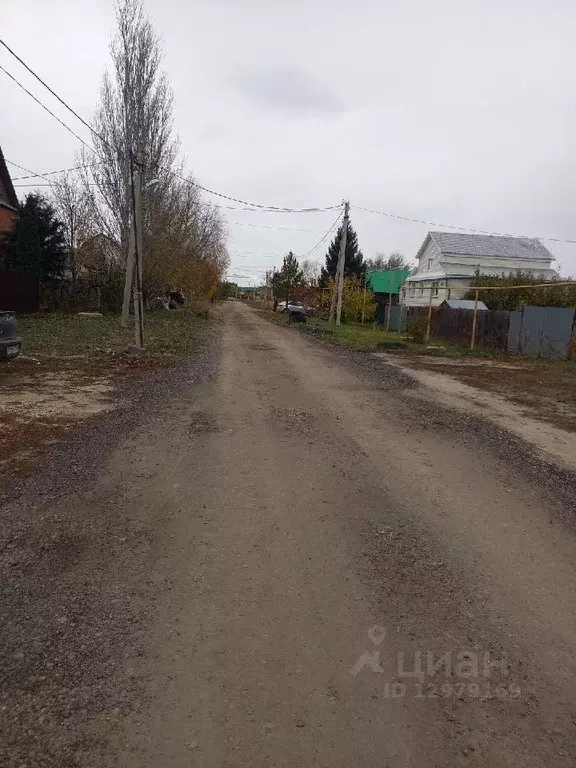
x=10 y=344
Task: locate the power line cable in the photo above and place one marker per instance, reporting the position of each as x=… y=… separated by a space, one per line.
x=49 y=184
x=21 y=167
x=319 y=243
x=62 y=123
x=453 y=226
x=259 y=206
x=227 y=197
x=233 y=208
x=40 y=175
x=34 y=175
x=96 y=133
x=68 y=107
x=324 y=237
x=48 y=173
x=267 y=226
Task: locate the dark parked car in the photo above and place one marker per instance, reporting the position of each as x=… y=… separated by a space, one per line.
x=10 y=344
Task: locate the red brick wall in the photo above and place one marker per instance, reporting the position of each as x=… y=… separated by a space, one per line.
x=7 y=218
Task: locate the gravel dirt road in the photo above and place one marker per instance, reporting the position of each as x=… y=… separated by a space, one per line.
x=287 y=554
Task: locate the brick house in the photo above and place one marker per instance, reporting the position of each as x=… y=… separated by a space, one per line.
x=17 y=292
x=8 y=199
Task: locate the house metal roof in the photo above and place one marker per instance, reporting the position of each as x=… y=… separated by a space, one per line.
x=387 y=280
x=493 y=246
x=463 y=304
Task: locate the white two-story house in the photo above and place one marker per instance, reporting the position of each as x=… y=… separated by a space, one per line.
x=448 y=261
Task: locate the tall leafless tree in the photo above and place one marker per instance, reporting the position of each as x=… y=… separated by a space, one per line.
x=71 y=204
x=135 y=115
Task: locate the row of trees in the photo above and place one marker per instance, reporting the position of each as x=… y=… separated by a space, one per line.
x=313 y=284
x=516 y=298
x=80 y=232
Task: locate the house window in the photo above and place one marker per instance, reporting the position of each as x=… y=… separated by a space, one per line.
x=429 y=264
x=435 y=289
x=403 y=293
x=412 y=289
x=421 y=289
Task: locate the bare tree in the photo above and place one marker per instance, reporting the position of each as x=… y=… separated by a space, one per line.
x=396 y=260
x=311 y=271
x=135 y=115
x=71 y=204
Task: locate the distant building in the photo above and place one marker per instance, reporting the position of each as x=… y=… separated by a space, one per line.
x=386 y=284
x=448 y=261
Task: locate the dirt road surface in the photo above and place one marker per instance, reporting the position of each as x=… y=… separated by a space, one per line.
x=287 y=554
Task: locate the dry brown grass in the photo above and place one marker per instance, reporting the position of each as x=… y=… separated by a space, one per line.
x=40 y=401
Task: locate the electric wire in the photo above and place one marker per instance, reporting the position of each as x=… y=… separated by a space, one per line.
x=48 y=173
x=454 y=226
x=322 y=239
x=61 y=100
x=62 y=123
x=252 y=206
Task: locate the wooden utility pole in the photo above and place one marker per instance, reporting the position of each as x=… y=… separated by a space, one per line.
x=129 y=278
x=429 y=315
x=129 y=189
x=389 y=311
x=137 y=228
x=474 y=321
x=336 y=303
x=364 y=296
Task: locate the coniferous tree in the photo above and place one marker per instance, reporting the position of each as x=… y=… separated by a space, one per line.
x=37 y=244
x=287 y=279
x=354 y=265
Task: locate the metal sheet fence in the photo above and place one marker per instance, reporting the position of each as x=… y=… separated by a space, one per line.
x=455 y=325
x=548 y=332
x=542 y=332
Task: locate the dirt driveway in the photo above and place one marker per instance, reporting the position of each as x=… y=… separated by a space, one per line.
x=539 y=389
x=291 y=555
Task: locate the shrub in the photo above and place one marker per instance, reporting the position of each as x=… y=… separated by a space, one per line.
x=416 y=329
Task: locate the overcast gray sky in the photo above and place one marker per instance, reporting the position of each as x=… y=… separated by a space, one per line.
x=455 y=111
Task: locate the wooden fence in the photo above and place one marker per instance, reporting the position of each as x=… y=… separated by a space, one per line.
x=455 y=325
